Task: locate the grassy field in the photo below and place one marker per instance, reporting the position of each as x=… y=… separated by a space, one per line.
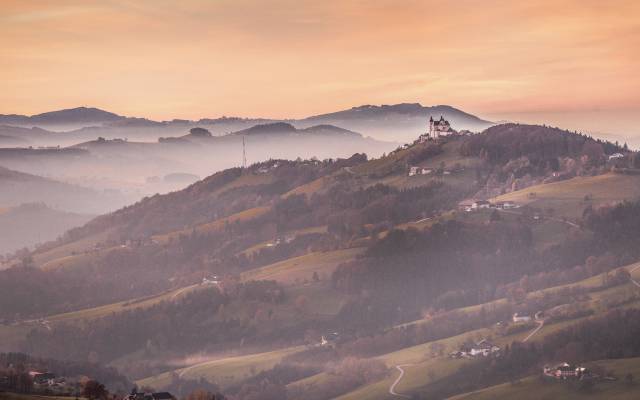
x=246 y=179
x=309 y=188
x=12 y=335
x=144 y=302
x=532 y=388
x=299 y=269
x=78 y=260
x=216 y=225
x=80 y=246
x=20 y=396
x=298 y=232
x=567 y=198
x=224 y=371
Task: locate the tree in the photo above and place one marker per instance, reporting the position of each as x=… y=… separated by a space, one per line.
x=628 y=378
x=495 y=216
x=201 y=395
x=94 y=390
x=301 y=303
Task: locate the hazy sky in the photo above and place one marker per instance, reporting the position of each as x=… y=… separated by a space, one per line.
x=290 y=58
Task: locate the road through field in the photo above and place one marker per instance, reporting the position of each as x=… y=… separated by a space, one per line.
x=533 y=332
x=392 y=388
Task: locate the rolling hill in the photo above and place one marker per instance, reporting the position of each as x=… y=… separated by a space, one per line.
x=237 y=277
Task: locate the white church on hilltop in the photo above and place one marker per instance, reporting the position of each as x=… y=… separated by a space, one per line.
x=437 y=128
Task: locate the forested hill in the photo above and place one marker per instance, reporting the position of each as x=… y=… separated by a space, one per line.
x=259 y=263
x=519 y=150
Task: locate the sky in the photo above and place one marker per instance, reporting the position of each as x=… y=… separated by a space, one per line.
x=291 y=58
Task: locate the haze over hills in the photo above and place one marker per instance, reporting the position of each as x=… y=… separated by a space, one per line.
x=398 y=122
x=35 y=210
x=27 y=225
x=137 y=167
x=67 y=119
x=317 y=278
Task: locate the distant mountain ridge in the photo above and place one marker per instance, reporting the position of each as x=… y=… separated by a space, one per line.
x=389 y=122
x=287 y=128
x=410 y=109
x=78 y=115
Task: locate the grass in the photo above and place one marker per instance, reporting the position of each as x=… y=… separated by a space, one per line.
x=69 y=249
x=21 y=396
x=144 y=302
x=224 y=371
x=532 y=388
x=299 y=269
x=294 y=233
x=567 y=198
x=216 y=225
x=244 y=180
x=309 y=188
x=77 y=260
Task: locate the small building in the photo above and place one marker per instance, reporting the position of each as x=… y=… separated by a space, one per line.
x=162 y=396
x=615 y=156
x=42 y=378
x=213 y=280
x=480 y=204
x=419 y=171
x=521 y=318
x=135 y=395
x=330 y=339
x=483 y=348
x=567 y=371
x=505 y=205
x=465 y=206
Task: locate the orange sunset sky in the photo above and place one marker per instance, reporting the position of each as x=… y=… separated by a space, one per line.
x=290 y=58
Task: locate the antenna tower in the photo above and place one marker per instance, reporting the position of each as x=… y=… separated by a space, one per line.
x=244 y=154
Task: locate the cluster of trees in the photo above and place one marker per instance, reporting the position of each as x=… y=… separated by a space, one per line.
x=410 y=269
x=540 y=144
x=342 y=377
x=192 y=323
x=617 y=227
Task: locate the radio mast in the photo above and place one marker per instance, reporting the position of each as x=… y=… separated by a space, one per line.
x=244 y=154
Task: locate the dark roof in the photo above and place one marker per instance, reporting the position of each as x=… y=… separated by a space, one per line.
x=163 y=396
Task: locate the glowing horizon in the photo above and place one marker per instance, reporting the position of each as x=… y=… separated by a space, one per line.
x=290 y=59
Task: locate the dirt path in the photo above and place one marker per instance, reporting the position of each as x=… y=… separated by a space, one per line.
x=392 y=388
x=533 y=332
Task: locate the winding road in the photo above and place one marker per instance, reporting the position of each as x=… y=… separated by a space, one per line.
x=392 y=388
x=631 y=272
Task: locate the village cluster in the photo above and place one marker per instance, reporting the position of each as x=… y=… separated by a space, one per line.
x=48 y=383
x=484 y=347
x=486 y=204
